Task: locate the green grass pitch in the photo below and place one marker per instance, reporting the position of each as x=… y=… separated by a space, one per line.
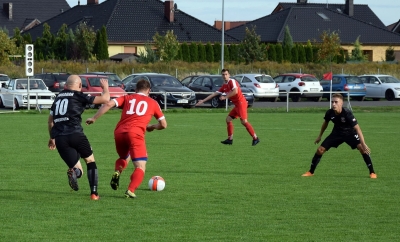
x=213 y=192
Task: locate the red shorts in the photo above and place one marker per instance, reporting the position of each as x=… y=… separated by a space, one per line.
x=131 y=144
x=240 y=110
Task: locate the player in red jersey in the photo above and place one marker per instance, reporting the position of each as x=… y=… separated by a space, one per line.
x=232 y=89
x=137 y=111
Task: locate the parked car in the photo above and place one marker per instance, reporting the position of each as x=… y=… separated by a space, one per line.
x=15 y=94
x=381 y=86
x=4 y=79
x=187 y=80
x=114 y=77
x=91 y=85
x=307 y=85
x=206 y=84
x=344 y=83
x=54 y=81
x=176 y=93
x=262 y=86
x=127 y=80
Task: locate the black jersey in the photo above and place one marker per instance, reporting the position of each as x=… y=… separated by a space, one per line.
x=67 y=110
x=344 y=122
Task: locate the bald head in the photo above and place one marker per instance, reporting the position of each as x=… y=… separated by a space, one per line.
x=74 y=83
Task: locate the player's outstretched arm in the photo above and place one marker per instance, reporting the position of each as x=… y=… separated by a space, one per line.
x=105 y=95
x=102 y=110
x=207 y=98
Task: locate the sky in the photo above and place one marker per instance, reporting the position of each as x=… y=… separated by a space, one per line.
x=244 y=10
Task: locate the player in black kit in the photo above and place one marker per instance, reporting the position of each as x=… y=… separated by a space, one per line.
x=346 y=129
x=66 y=132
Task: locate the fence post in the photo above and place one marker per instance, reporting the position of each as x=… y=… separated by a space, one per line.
x=287 y=102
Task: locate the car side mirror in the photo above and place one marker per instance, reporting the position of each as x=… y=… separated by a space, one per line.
x=3 y=85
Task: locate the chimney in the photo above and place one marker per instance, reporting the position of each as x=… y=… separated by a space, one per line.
x=90 y=2
x=169 y=10
x=349 y=8
x=302 y=1
x=8 y=9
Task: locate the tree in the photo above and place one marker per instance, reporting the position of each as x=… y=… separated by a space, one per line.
x=309 y=52
x=148 y=55
x=302 y=54
x=7 y=47
x=287 y=44
x=390 y=54
x=185 y=52
x=264 y=51
x=234 y=52
x=194 y=52
x=294 y=54
x=271 y=52
x=217 y=52
x=279 y=53
x=103 y=45
x=167 y=45
x=179 y=55
x=226 y=53
x=356 y=53
x=60 y=43
x=202 y=52
x=85 y=38
x=329 y=47
x=250 y=46
x=209 y=52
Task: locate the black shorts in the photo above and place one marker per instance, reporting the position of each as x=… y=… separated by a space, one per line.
x=72 y=147
x=334 y=140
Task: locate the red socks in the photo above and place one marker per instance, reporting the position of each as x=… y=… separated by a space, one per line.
x=120 y=165
x=136 y=179
x=230 y=129
x=250 y=130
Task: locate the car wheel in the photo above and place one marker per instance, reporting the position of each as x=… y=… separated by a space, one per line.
x=16 y=104
x=1 y=103
x=215 y=102
x=389 y=95
x=296 y=97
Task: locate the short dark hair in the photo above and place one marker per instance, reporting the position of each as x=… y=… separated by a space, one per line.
x=338 y=95
x=142 y=85
x=225 y=70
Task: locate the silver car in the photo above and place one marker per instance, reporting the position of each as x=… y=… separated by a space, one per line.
x=262 y=86
x=381 y=86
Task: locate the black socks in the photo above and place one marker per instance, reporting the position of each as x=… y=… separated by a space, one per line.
x=368 y=162
x=315 y=162
x=92 y=177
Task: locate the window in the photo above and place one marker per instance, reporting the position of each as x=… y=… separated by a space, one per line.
x=198 y=81
x=245 y=79
x=323 y=16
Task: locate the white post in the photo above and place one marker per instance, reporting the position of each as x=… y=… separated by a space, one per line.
x=223 y=39
x=330 y=96
x=29 y=98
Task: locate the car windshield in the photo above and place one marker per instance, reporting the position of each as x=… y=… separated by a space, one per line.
x=34 y=84
x=264 y=79
x=95 y=82
x=218 y=81
x=353 y=80
x=114 y=77
x=165 y=81
x=388 y=79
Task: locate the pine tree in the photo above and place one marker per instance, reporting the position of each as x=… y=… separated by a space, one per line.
x=226 y=53
x=194 y=52
x=217 y=52
x=389 y=55
x=250 y=49
x=233 y=52
x=271 y=52
x=185 y=52
x=264 y=51
x=287 y=45
x=302 y=53
x=209 y=52
x=104 y=44
x=357 y=53
x=295 y=55
x=309 y=52
x=202 y=52
x=179 y=55
x=279 y=53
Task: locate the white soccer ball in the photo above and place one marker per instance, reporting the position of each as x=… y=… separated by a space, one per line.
x=156 y=183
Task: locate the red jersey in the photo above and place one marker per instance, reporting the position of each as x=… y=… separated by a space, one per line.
x=137 y=111
x=228 y=87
